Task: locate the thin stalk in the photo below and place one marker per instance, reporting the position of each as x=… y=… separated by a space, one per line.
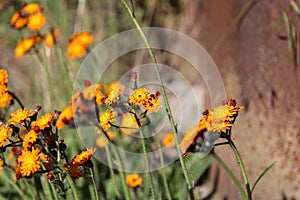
x=164 y=95
x=242 y=167
x=230 y=173
x=94 y=184
x=162 y=162
x=17 y=99
x=147 y=164
x=123 y=182
x=111 y=171
x=70 y=181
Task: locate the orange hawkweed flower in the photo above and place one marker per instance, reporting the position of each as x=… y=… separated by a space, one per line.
x=78 y=43
x=114 y=90
x=3 y=77
x=218 y=120
x=36 y=21
x=32 y=8
x=43 y=122
x=18 y=21
x=65 y=117
x=139 y=96
x=4 y=134
x=51 y=38
x=102 y=141
x=106 y=118
x=152 y=104
x=24 y=45
x=19 y=116
x=134 y=180
x=83 y=157
x=28 y=162
x=168 y=140
x=29 y=139
x=129 y=121
x=1 y=165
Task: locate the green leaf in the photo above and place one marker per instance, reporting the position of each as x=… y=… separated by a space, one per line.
x=262 y=174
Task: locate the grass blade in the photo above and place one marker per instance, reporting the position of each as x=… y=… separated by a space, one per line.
x=262 y=174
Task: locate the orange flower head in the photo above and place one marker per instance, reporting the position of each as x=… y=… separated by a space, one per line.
x=75 y=50
x=51 y=37
x=106 y=118
x=36 y=21
x=32 y=8
x=83 y=157
x=152 y=104
x=90 y=92
x=24 y=45
x=28 y=162
x=21 y=115
x=139 y=96
x=83 y=38
x=17 y=21
x=65 y=117
x=3 y=77
x=43 y=122
x=114 y=90
x=29 y=139
x=134 y=180
x=130 y=122
x=5 y=97
x=168 y=140
x=4 y=135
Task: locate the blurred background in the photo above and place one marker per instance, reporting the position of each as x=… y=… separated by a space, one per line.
x=253 y=42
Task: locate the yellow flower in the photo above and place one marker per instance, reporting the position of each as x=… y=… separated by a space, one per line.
x=84 y=156
x=4 y=134
x=19 y=116
x=65 y=117
x=3 y=77
x=17 y=21
x=168 y=140
x=114 y=91
x=102 y=141
x=24 y=45
x=152 y=104
x=129 y=121
x=29 y=139
x=106 y=118
x=139 y=96
x=134 y=180
x=51 y=38
x=1 y=165
x=36 y=21
x=43 y=122
x=28 y=162
x=78 y=43
x=32 y=8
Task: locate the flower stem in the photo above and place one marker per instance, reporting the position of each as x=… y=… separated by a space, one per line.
x=168 y=194
x=147 y=163
x=94 y=183
x=242 y=167
x=164 y=95
x=70 y=181
x=124 y=186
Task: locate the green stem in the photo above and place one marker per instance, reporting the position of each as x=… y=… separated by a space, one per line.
x=17 y=99
x=70 y=181
x=242 y=167
x=164 y=95
x=111 y=171
x=168 y=194
x=147 y=163
x=124 y=186
x=230 y=173
x=94 y=184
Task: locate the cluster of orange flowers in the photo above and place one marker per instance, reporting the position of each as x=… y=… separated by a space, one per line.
x=107 y=98
x=35 y=143
x=31 y=16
